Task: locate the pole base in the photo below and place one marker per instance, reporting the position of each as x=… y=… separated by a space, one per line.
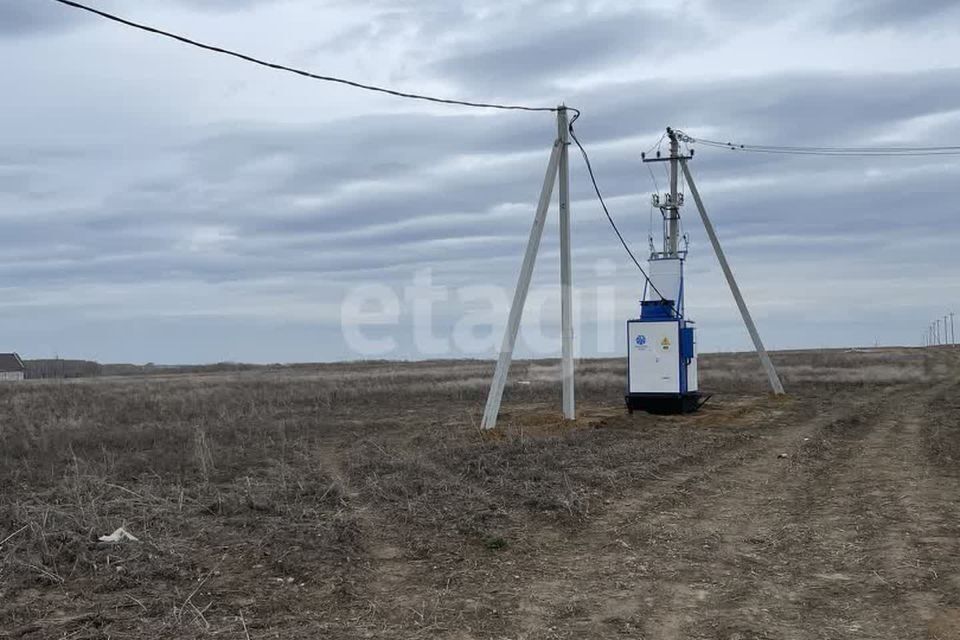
x=663 y=403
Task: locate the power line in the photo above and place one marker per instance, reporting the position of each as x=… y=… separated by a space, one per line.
x=603 y=205
x=367 y=87
x=656 y=145
x=656 y=185
x=299 y=72
x=949 y=150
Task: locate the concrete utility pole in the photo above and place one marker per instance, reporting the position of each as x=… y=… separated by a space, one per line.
x=566 y=276
x=495 y=395
x=771 y=371
x=953 y=333
x=672 y=240
x=558 y=165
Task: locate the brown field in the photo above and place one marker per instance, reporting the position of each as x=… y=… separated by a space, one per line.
x=360 y=501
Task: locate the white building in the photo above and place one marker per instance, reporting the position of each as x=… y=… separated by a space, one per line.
x=11 y=367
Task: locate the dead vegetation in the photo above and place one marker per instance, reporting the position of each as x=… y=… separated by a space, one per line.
x=361 y=500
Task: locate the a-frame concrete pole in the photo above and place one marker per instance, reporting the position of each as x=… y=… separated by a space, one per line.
x=771 y=371
x=492 y=408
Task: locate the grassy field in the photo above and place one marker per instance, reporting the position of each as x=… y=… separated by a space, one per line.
x=361 y=501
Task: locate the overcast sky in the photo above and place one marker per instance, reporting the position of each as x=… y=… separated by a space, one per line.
x=159 y=203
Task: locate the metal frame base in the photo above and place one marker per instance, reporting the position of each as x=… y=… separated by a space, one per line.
x=663 y=403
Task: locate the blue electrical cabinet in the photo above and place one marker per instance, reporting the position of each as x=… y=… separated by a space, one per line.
x=662 y=351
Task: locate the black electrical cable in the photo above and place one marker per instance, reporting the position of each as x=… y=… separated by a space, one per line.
x=392 y=92
x=809 y=149
x=656 y=145
x=603 y=205
x=948 y=150
x=300 y=72
x=830 y=149
x=835 y=154
x=656 y=185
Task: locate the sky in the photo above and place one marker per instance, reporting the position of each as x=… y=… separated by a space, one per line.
x=163 y=204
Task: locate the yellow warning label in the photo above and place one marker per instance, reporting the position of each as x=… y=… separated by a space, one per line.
x=665 y=344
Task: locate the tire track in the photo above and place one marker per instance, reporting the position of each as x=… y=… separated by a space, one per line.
x=740 y=535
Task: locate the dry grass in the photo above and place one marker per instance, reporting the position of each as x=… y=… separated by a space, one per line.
x=941 y=432
x=262 y=499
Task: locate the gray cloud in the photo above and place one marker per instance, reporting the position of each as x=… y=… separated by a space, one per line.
x=226 y=5
x=850 y=15
x=29 y=17
x=400 y=208
x=866 y=14
x=547 y=47
x=20 y=18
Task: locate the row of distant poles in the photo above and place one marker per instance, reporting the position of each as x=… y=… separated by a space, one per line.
x=940 y=332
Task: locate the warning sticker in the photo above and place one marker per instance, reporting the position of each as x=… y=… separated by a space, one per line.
x=665 y=344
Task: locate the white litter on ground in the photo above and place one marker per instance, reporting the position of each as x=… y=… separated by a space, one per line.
x=120 y=535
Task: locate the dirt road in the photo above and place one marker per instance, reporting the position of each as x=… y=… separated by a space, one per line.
x=832 y=525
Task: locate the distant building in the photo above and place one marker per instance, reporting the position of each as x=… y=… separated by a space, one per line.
x=11 y=367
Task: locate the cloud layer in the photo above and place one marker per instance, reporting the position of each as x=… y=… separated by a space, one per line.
x=150 y=194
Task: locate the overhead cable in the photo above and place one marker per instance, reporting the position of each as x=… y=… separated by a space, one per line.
x=606 y=211
x=299 y=72
x=368 y=87
x=949 y=150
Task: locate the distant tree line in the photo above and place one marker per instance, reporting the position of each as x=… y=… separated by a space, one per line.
x=57 y=368
x=160 y=369
x=54 y=368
